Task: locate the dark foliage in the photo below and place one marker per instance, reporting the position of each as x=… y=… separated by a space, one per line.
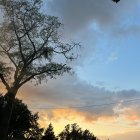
x=74 y=132
x=24 y=125
x=23 y=122
x=49 y=134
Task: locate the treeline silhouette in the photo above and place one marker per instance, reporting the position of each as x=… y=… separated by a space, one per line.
x=24 y=126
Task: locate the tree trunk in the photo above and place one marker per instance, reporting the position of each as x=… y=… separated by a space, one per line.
x=5 y=114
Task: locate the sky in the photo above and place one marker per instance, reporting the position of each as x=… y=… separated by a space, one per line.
x=109 y=34
x=103 y=94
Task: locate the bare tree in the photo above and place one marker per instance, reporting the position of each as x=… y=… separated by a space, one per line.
x=30 y=48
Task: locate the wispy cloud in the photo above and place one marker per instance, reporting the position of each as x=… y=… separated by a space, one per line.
x=113 y=57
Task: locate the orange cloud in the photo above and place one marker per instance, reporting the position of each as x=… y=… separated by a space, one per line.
x=131 y=114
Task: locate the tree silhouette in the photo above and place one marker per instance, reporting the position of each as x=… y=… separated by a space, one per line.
x=49 y=134
x=74 y=132
x=23 y=122
x=30 y=48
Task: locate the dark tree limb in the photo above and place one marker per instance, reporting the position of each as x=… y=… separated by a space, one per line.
x=4 y=82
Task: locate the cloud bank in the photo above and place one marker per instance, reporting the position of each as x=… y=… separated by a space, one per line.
x=73 y=96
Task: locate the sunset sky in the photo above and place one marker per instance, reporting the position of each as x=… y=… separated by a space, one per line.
x=103 y=95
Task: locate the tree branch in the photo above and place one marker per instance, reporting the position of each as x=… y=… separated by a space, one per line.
x=9 y=56
x=18 y=38
x=42 y=72
x=32 y=56
x=4 y=81
x=27 y=32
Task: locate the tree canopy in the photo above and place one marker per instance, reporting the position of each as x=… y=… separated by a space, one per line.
x=31 y=48
x=74 y=132
x=30 y=41
x=23 y=124
x=49 y=134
